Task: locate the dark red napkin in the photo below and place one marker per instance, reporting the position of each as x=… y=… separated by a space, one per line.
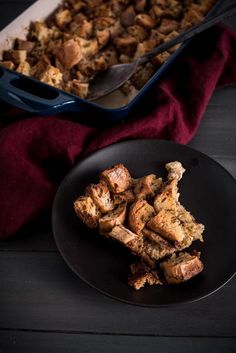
x=37 y=152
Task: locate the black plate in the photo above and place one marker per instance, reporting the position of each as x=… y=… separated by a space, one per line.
x=206 y=189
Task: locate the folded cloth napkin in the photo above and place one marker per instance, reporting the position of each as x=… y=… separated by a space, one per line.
x=36 y=153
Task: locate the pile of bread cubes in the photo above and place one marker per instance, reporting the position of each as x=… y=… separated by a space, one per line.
x=85 y=37
x=145 y=215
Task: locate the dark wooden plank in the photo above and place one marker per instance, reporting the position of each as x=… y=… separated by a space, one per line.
x=38 y=342
x=38 y=291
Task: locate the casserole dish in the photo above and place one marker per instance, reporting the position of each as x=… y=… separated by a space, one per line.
x=36 y=97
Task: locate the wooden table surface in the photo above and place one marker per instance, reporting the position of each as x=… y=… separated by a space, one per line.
x=44 y=307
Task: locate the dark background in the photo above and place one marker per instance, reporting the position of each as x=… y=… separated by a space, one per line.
x=44 y=307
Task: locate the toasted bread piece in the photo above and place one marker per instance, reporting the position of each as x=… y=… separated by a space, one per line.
x=168 y=197
x=127 y=17
x=83 y=29
x=89 y=47
x=140 y=212
x=17 y=56
x=155 y=245
x=190 y=225
x=24 y=68
x=21 y=44
x=103 y=37
x=146 y=187
x=126 y=45
x=175 y=170
x=138 y=32
x=77 y=87
x=140 y=5
x=112 y=218
x=87 y=211
x=100 y=195
x=52 y=76
x=141 y=274
x=122 y=234
x=40 y=31
x=70 y=54
x=62 y=18
x=117 y=178
x=7 y=64
x=160 y=59
x=137 y=247
x=145 y=20
x=168 y=225
x=168 y=25
x=156 y=251
x=182 y=267
x=125 y=196
x=132 y=241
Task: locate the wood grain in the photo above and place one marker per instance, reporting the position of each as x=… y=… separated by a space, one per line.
x=15 y=341
x=38 y=291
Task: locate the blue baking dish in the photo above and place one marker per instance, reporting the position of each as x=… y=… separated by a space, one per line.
x=36 y=97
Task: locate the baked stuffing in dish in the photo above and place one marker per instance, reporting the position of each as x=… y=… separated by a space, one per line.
x=85 y=37
x=146 y=216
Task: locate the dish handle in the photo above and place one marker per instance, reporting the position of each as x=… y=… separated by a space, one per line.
x=34 y=96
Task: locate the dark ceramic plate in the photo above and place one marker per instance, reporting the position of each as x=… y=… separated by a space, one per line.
x=206 y=189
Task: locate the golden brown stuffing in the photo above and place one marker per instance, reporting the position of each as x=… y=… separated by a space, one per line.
x=85 y=37
x=154 y=230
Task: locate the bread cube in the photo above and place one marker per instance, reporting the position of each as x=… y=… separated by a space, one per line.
x=147 y=186
x=7 y=64
x=175 y=170
x=117 y=178
x=140 y=212
x=182 y=267
x=62 y=18
x=17 y=56
x=70 y=54
x=112 y=218
x=100 y=195
x=103 y=37
x=78 y=88
x=87 y=211
x=24 y=68
x=52 y=76
x=145 y=20
x=168 y=225
x=127 y=17
x=125 y=196
x=141 y=274
x=122 y=234
x=126 y=45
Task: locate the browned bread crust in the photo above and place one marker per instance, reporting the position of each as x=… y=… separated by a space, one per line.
x=125 y=196
x=112 y=218
x=140 y=212
x=117 y=178
x=156 y=246
x=146 y=187
x=182 y=267
x=168 y=225
x=122 y=234
x=101 y=196
x=168 y=197
x=141 y=274
x=87 y=211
